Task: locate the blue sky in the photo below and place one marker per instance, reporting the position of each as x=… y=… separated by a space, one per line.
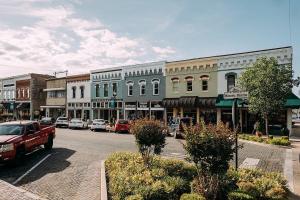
x=79 y=35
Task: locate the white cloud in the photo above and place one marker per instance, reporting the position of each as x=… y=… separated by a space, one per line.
x=164 y=51
x=59 y=39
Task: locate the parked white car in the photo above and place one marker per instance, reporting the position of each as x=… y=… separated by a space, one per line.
x=78 y=123
x=98 y=124
x=62 y=122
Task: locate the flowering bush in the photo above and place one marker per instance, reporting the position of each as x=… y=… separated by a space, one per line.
x=149 y=138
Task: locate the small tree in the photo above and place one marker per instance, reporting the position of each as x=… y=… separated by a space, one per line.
x=149 y=138
x=269 y=85
x=211 y=148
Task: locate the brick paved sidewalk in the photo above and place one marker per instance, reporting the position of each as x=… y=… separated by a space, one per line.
x=8 y=191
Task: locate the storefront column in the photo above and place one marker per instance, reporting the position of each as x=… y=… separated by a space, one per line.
x=219 y=114
x=47 y=112
x=175 y=112
x=165 y=116
x=289 y=120
x=181 y=112
x=118 y=114
x=198 y=115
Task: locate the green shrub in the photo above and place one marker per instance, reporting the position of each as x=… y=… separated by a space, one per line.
x=280 y=141
x=149 y=138
x=260 y=184
x=210 y=147
x=128 y=177
x=239 y=196
x=192 y=196
x=134 y=197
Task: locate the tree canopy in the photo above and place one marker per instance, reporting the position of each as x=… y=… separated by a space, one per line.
x=268 y=84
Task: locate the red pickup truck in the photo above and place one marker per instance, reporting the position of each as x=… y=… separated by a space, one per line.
x=20 y=137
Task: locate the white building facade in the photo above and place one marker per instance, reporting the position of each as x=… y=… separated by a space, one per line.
x=79 y=97
x=230 y=68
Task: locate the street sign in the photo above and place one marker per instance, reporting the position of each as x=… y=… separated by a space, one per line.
x=236 y=93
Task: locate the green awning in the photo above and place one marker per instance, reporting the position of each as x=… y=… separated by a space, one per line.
x=226 y=103
x=292 y=102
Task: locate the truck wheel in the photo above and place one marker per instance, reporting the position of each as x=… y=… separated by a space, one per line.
x=19 y=157
x=49 y=144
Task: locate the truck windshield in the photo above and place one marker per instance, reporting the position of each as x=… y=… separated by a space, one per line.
x=11 y=130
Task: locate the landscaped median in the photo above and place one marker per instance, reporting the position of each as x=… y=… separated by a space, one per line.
x=170 y=179
x=145 y=176
x=282 y=141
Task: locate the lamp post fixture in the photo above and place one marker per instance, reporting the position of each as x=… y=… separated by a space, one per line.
x=113 y=98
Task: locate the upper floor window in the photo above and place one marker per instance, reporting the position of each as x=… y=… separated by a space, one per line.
x=115 y=88
x=230 y=80
x=175 y=84
x=23 y=93
x=204 y=85
x=28 y=93
x=142 y=84
x=105 y=88
x=82 y=92
x=97 y=88
x=130 y=88
x=155 y=85
x=73 y=92
x=189 y=83
x=204 y=79
x=18 y=93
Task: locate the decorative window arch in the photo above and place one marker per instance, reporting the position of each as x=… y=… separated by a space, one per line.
x=155 y=86
x=142 y=84
x=204 y=77
x=129 y=88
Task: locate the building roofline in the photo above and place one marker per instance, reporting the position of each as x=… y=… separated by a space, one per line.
x=109 y=69
x=23 y=75
x=232 y=54
x=143 y=64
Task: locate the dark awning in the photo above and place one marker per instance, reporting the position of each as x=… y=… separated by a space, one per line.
x=189 y=102
x=23 y=106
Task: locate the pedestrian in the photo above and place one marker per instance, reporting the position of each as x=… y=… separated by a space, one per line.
x=255 y=126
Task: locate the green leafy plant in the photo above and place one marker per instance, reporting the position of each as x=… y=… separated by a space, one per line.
x=149 y=138
x=128 y=177
x=192 y=196
x=210 y=147
x=239 y=196
x=269 y=85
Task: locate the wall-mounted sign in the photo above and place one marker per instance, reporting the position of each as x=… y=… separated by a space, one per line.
x=236 y=93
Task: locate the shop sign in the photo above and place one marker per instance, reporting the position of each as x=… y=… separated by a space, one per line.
x=130 y=106
x=236 y=93
x=156 y=106
x=143 y=105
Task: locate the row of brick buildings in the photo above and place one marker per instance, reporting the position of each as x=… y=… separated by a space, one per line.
x=162 y=90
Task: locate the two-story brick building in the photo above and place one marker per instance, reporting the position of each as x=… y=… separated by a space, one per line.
x=107 y=94
x=144 y=90
x=22 y=96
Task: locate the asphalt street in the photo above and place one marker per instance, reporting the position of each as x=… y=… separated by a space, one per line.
x=72 y=169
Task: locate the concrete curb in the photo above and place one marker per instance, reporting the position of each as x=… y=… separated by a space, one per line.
x=103 y=181
x=266 y=145
x=21 y=191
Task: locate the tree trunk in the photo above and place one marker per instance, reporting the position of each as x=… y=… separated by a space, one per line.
x=267 y=125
